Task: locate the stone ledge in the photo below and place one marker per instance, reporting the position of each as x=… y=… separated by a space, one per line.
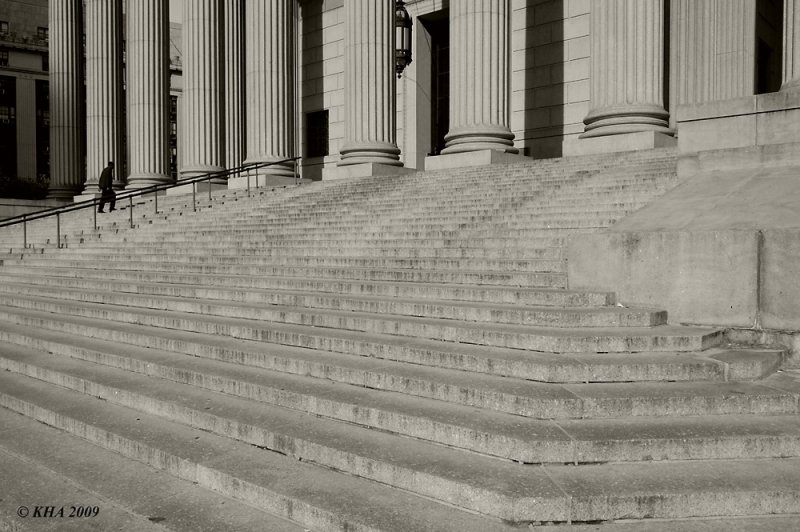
x=363 y=170
x=644 y=140
x=472 y=158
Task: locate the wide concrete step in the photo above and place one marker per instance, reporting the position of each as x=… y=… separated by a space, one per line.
x=251 y=257
x=426 y=238
x=489 y=486
x=346 y=242
x=498 y=278
x=310 y=495
x=456 y=424
x=548 y=249
x=556 y=211
x=337 y=311
x=239 y=286
x=521 y=398
x=46 y=467
x=193 y=250
x=393 y=373
x=561 y=339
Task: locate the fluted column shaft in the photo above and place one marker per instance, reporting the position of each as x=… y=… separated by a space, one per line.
x=66 y=98
x=148 y=92
x=369 y=85
x=479 y=77
x=104 y=91
x=791 y=45
x=627 y=94
x=269 y=66
x=202 y=87
x=234 y=84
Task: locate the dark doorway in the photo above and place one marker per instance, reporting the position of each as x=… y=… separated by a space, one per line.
x=769 y=46
x=438 y=26
x=8 y=126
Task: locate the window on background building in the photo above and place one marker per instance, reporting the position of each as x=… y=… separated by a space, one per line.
x=173 y=136
x=8 y=125
x=3 y=58
x=317 y=134
x=42 y=33
x=3 y=27
x=45 y=62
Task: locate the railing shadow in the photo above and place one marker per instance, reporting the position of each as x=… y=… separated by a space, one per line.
x=249 y=170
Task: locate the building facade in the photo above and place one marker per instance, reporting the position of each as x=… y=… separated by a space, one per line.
x=315 y=79
x=24 y=91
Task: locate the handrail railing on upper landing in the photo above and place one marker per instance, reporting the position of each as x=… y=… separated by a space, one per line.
x=248 y=169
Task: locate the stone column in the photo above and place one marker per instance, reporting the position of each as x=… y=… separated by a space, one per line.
x=627 y=68
x=479 y=77
x=66 y=98
x=103 y=92
x=202 y=87
x=791 y=45
x=270 y=84
x=735 y=61
x=234 y=84
x=148 y=92
x=692 y=33
x=369 y=86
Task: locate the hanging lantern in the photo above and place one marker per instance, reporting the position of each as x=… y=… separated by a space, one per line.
x=402 y=22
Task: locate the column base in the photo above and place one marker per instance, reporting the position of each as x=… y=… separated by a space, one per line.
x=363 y=170
x=643 y=140
x=143 y=181
x=479 y=138
x=201 y=187
x=197 y=171
x=86 y=196
x=472 y=158
x=628 y=118
x=262 y=181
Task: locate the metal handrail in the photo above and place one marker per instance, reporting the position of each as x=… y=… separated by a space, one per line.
x=129 y=195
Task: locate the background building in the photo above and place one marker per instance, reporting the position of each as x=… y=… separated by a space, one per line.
x=24 y=107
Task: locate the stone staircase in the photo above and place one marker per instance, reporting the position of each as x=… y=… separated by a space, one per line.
x=384 y=354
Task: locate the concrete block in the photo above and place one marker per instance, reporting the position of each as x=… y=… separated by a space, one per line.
x=778 y=126
x=578 y=48
x=720 y=133
x=262 y=181
x=717 y=109
x=780 y=273
x=645 y=140
x=363 y=170
x=471 y=159
x=699 y=277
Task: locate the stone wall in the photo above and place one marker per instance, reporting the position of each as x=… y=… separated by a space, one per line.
x=550 y=73
x=732 y=278
x=322 y=86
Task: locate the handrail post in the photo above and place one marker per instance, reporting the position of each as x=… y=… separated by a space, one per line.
x=209 y=190
x=94 y=212
x=155 y=198
x=296 y=172
x=194 y=196
x=24 y=231
x=130 y=208
x=58 y=230
x=248 y=181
